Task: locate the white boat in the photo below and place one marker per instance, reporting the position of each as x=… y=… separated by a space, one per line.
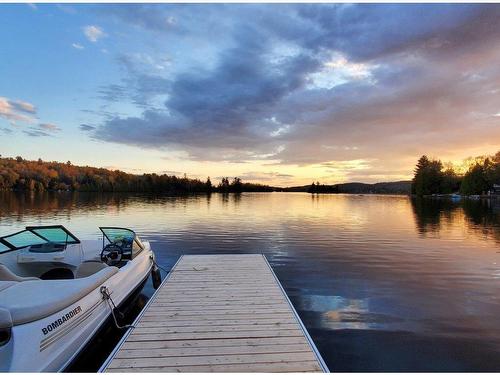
x=57 y=291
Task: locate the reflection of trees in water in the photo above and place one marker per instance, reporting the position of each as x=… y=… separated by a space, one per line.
x=480 y=216
x=236 y=198
x=429 y=213
x=483 y=216
x=17 y=205
x=34 y=203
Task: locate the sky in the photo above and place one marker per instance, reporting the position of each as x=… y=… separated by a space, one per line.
x=281 y=94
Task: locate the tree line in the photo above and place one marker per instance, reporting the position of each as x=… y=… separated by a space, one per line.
x=431 y=177
x=29 y=175
x=317 y=188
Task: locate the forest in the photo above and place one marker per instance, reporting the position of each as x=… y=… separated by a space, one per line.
x=431 y=177
x=28 y=175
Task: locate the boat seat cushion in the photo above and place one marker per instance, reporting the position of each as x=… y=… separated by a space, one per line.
x=36 y=299
x=7 y=275
x=6 y=284
x=89 y=267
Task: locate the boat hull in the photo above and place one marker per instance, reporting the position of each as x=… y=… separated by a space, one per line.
x=52 y=343
x=97 y=349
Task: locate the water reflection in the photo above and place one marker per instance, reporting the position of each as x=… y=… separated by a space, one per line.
x=381 y=282
x=430 y=212
x=16 y=206
x=339 y=312
x=479 y=216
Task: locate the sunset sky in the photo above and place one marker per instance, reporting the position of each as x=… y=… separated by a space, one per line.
x=279 y=94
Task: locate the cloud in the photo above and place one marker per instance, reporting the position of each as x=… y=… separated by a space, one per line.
x=23 y=106
x=172 y=173
x=142 y=86
x=21 y=111
x=33 y=132
x=17 y=110
x=93 y=33
x=42 y=130
x=257 y=176
x=308 y=84
x=86 y=128
x=147 y=16
x=77 y=46
x=49 y=127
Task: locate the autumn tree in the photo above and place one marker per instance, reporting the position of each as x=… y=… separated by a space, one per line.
x=474 y=181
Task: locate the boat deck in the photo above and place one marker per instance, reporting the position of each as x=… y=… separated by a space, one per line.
x=218 y=313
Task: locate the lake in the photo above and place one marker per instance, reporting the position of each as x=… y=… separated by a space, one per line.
x=382 y=283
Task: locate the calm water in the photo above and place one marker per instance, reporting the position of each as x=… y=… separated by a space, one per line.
x=381 y=282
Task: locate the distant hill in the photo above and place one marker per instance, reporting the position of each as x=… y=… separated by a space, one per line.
x=296 y=189
x=397 y=187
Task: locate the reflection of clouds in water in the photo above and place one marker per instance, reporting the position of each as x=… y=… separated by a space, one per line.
x=322 y=303
x=337 y=312
x=496 y=273
x=347 y=319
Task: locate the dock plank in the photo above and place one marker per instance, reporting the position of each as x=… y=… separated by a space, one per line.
x=301 y=366
x=245 y=342
x=215 y=350
x=218 y=313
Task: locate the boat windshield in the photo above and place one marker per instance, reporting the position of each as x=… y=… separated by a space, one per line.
x=37 y=236
x=115 y=235
x=3 y=248
x=123 y=237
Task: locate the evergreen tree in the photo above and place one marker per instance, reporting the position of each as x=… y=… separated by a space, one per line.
x=312 y=188
x=236 y=186
x=208 y=185
x=224 y=185
x=428 y=177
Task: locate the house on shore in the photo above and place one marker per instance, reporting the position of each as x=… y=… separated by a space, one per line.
x=495 y=190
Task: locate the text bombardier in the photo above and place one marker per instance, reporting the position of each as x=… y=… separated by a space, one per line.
x=62 y=320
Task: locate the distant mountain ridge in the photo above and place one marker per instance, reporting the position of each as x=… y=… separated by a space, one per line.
x=396 y=187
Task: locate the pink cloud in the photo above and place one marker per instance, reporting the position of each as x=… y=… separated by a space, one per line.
x=49 y=127
x=16 y=110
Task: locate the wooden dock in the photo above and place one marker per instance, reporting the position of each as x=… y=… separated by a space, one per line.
x=218 y=313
